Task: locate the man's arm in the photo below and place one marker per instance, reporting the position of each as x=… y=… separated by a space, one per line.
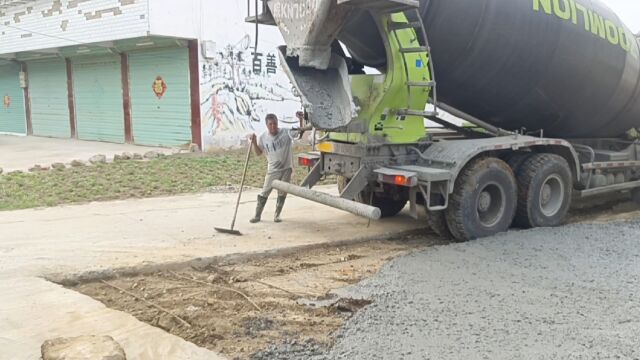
x=296 y=134
x=254 y=144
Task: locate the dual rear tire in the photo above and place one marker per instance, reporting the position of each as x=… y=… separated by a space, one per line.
x=544 y=191
x=635 y=195
x=491 y=195
x=484 y=200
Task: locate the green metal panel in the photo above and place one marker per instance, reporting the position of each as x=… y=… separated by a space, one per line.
x=97 y=87
x=49 y=101
x=12 y=113
x=380 y=99
x=165 y=119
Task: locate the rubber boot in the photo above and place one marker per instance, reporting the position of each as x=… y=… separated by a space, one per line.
x=262 y=201
x=279 y=206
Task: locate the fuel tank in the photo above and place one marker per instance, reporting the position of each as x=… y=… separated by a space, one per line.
x=568 y=67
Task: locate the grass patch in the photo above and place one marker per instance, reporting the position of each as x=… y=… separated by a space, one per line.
x=170 y=175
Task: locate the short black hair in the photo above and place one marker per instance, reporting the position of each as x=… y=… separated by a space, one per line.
x=272 y=117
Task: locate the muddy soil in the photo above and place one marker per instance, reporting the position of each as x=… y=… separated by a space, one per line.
x=238 y=309
x=246 y=307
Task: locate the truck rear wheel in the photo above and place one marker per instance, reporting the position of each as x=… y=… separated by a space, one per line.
x=437 y=221
x=389 y=206
x=635 y=195
x=544 y=191
x=516 y=159
x=484 y=200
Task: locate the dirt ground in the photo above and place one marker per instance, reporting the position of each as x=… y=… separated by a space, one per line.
x=240 y=308
x=613 y=207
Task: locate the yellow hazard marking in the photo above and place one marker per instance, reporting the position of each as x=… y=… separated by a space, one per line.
x=325 y=147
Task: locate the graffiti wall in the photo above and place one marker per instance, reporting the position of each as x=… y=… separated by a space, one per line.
x=238 y=85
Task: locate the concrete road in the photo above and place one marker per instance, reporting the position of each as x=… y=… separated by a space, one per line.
x=23 y=152
x=56 y=242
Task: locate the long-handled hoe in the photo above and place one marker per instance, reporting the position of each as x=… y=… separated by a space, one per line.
x=233 y=222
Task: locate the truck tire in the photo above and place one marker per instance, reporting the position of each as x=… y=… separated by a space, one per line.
x=516 y=159
x=437 y=221
x=635 y=195
x=484 y=200
x=388 y=206
x=544 y=191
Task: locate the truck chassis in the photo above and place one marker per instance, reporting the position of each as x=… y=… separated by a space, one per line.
x=476 y=187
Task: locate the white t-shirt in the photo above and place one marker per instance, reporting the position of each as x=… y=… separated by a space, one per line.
x=278 y=150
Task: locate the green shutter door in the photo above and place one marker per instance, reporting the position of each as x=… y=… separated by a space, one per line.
x=160 y=119
x=12 y=114
x=97 y=87
x=48 y=94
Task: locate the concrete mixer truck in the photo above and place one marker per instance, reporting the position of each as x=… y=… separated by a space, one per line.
x=549 y=88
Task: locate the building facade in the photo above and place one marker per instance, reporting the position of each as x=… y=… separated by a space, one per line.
x=149 y=72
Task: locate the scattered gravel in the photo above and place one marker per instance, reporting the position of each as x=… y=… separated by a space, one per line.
x=564 y=293
x=292 y=349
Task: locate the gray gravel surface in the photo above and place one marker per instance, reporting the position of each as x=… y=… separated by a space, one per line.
x=565 y=293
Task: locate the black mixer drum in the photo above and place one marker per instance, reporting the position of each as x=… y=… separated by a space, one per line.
x=568 y=67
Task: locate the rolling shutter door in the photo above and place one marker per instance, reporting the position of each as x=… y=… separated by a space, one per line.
x=97 y=85
x=160 y=96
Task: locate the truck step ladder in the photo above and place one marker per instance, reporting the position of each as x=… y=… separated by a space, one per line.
x=403 y=15
x=421 y=83
x=423 y=113
x=401 y=25
x=412 y=50
x=414 y=21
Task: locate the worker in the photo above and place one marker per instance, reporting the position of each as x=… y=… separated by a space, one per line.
x=303 y=124
x=301 y=121
x=277 y=144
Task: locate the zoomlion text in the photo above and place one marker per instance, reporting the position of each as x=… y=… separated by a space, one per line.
x=598 y=25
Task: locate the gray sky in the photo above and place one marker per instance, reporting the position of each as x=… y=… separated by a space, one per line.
x=628 y=10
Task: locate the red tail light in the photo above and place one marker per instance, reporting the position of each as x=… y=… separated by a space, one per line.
x=400 y=180
x=308 y=160
x=304 y=161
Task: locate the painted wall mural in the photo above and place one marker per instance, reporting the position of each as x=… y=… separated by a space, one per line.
x=238 y=86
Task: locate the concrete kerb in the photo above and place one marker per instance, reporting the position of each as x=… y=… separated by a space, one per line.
x=74 y=279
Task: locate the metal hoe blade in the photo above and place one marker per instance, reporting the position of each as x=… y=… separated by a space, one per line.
x=228 y=231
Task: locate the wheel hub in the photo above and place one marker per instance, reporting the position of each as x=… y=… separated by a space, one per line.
x=552 y=195
x=484 y=203
x=546 y=194
x=490 y=204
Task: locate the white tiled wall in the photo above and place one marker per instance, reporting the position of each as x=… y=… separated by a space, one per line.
x=42 y=24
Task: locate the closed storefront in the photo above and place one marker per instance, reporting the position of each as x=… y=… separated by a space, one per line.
x=49 y=101
x=97 y=87
x=12 y=110
x=160 y=96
